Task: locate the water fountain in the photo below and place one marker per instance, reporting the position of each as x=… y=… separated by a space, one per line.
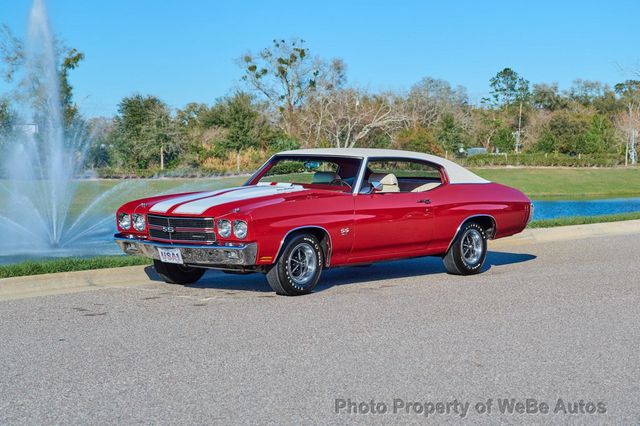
x=39 y=216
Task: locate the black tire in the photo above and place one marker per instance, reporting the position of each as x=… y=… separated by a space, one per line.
x=289 y=281
x=177 y=274
x=463 y=257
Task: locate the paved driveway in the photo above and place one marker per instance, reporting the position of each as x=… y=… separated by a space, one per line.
x=546 y=321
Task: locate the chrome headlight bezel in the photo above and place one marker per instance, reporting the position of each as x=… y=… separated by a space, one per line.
x=139 y=222
x=240 y=229
x=224 y=228
x=124 y=221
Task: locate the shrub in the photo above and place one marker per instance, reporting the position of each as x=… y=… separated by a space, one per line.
x=544 y=160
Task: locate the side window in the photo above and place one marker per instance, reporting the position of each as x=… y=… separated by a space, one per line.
x=404 y=175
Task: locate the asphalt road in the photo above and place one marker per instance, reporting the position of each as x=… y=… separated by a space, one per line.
x=545 y=321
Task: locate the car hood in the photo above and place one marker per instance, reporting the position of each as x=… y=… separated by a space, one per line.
x=199 y=203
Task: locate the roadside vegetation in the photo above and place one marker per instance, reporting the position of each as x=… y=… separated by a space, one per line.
x=290 y=98
x=69 y=264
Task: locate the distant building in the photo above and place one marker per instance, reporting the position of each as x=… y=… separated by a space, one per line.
x=27 y=128
x=476 y=151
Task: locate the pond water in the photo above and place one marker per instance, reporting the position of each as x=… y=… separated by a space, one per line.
x=551 y=209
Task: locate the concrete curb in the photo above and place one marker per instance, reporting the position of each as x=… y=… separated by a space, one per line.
x=572 y=232
x=71 y=282
x=135 y=276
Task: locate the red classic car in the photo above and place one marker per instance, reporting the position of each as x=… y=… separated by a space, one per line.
x=306 y=210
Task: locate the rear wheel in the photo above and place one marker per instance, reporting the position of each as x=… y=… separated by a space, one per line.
x=468 y=251
x=298 y=268
x=177 y=274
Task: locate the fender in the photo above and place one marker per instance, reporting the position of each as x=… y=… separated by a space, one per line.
x=492 y=236
x=327 y=256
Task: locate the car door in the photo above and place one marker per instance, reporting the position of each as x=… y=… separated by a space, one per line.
x=390 y=224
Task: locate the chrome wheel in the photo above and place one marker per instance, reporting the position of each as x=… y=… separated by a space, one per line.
x=302 y=264
x=471 y=246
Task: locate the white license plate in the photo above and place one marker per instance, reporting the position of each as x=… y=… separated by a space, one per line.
x=169 y=255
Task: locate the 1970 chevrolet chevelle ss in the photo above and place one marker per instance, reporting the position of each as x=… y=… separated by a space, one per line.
x=306 y=210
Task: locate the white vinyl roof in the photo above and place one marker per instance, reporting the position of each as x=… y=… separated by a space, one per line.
x=455 y=172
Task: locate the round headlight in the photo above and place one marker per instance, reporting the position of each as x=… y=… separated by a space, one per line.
x=124 y=220
x=224 y=228
x=138 y=222
x=240 y=229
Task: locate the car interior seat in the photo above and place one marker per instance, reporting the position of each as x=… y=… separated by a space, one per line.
x=324 y=177
x=426 y=187
x=389 y=181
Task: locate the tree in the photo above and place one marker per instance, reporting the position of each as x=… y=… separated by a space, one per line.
x=587 y=91
x=12 y=55
x=450 y=134
x=145 y=132
x=347 y=117
x=629 y=92
x=7 y=118
x=418 y=139
x=100 y=151
x=286 y=74
x=567 y=132
x=70 y=62
x=547 y=97
x=243 y=120
x=430 y=98
x=508 y=88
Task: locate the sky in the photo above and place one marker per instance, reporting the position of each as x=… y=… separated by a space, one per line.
x=186 y=51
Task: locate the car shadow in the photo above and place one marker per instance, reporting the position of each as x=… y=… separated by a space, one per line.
x=422 y=266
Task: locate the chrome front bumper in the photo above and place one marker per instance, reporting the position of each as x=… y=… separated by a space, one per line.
x=205 y=255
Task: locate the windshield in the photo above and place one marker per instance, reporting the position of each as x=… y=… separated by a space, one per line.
x=328 y=172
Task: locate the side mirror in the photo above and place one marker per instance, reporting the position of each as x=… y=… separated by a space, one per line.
x=370 y=187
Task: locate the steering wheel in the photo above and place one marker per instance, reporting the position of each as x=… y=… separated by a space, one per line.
x=340 y=182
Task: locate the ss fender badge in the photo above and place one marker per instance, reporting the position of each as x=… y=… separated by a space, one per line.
x=344 y=231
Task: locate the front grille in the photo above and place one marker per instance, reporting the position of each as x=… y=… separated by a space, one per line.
x=181 y=229
x=182 y=235
x=180 y=222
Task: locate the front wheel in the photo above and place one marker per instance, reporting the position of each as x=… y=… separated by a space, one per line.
x=298 y=268
x=468 y=251
x=177 y=274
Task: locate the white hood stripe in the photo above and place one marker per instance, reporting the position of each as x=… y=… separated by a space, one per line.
x=166 y=205
x=241 y=193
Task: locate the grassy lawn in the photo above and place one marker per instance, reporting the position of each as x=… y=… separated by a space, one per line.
x=68 y=264
x=112 y=193
x=551 y=183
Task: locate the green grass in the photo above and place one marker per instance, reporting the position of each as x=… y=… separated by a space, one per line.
x=559 y=183
x=116 y=192
x=68 y=264
x=582 y=220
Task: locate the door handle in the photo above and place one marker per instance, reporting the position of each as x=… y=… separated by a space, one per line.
x=425 y=201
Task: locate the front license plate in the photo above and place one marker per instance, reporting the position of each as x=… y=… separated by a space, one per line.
x=168 y=255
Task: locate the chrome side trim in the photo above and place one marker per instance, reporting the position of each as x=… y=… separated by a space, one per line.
x=327 y=261
x=492 y=236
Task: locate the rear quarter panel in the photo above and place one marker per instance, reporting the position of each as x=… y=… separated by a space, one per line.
x=452 y=204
